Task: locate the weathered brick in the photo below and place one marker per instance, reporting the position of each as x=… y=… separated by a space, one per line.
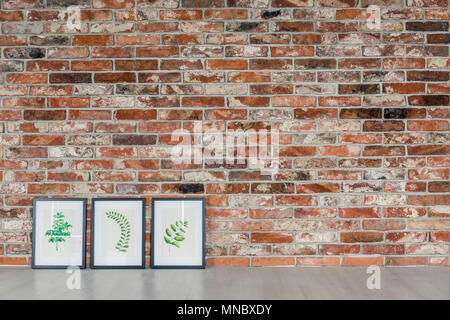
x=362 y=115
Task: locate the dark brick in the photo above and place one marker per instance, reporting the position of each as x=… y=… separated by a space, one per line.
x=115 y=77
x=427 y=51
x=426 y=26
x=44 y=115
x=436 y=149
x=439 y=186
x=361 y=113
x=247 y=26
x=24 y=53
x=202 y=3
x=50 y=40
x=271 y=14
x=359 y=88
x=383 y=126
x=315 y=64
x=131 y=139
x=191 y=188
x=428 y=76
x=67 y=3
x=136 y=89
x=429 y=100
x=395 y=113
x=70 y=78
x=438 y=38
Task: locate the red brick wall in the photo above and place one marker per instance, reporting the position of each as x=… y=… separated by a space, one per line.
x=363 y=114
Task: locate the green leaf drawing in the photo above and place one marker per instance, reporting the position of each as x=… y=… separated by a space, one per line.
x=125 y=230
x=176 y=233
x=59 y=230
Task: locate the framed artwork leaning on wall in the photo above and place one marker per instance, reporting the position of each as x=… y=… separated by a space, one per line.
x=59 y=233
x=178 y=233
x=118 y=233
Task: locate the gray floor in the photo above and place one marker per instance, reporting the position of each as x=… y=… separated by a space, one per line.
x=227 y=283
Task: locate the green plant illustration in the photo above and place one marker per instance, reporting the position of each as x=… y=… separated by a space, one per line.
x=59 y=230
x=176 y=233
x=125 y=230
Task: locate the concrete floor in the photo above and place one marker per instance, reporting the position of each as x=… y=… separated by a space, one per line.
x=226 y=283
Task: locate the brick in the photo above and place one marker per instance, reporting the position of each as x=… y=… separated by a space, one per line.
x=116 y=152
x=43 y=140
x=226 y=64
x=293 y=101
x=273 y=262
x=340 y=151
x=383 y=126
x=437 y=14
x=112 y=52
x=383 y=151
x=270 y=64
x=243 y=262
x=135 y=114
x=426 y=26
x=70 y=78
x=45 y=188
x=318 y=188
x=292 y=3
x=319 y=261
x=359 y=213
x=92 y=40
x=112 y=4
x=12 y=40
x=406 y=261
x=338 y=3
x=89 y=115
x=428 y=150
x=246 y=27
x=24 y=53
x=14 y=261
x=439 y=236
x=362 y=261
x=27 y=78
x=297 y=200
x=226 y=14
x=12 y=90
x=44 y=115
x=271 y=237
x=427 y=76
x=137 y=164
x=361 y=237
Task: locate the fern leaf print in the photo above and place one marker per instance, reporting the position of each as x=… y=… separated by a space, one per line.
x=176 y=233
x=59 y=231
x=125 y=230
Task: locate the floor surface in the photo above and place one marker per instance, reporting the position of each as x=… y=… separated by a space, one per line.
x=226 y=283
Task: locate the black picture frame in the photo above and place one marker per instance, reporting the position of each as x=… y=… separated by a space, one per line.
x=33 y=243
x=92 y=255
x=152 y=262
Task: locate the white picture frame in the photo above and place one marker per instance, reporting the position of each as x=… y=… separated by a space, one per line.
x=178 y=233
x=118 y=233
x=59 y=233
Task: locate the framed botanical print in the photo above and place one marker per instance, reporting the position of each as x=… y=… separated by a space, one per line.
x=118 y=233
x=59 y=233
x=178 y=233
